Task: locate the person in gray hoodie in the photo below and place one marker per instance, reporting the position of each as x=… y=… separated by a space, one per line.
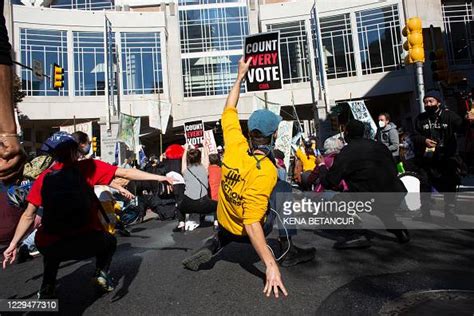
x=387 y=134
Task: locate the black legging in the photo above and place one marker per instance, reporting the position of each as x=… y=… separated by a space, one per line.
x=97 y=244
x=202 y=206
x=5 y=47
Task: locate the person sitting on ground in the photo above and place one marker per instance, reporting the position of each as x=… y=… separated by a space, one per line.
x=366 y=166
x=332 y=147
x=248 y=178
x=308 y=161
x=196 y=194
x=70 y=227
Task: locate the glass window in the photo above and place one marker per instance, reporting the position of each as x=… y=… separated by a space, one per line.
x=83 y=4
x=293 y=50
x=213 y=29
x=379 y=39
x=206 y=76
x=210 y=37
x=199 y=2
x=459 y=26
x=141 y=63
x=336 y=36
x=89 y=63
x=46 y=47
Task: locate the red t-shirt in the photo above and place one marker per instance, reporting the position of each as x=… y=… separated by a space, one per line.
x=95 y=172
x=214 y=180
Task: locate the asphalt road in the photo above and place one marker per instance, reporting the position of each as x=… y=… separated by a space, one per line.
x=151 y=280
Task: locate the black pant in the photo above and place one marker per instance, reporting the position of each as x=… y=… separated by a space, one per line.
x=97 y=244
x=442 y=175
x=5 y=47
x=202 y=206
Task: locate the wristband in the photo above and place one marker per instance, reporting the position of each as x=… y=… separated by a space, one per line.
x=9 y=135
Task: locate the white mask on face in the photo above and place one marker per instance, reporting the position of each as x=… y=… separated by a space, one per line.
x=381 y=124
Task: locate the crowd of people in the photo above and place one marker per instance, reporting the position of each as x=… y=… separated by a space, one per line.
x=63 y=218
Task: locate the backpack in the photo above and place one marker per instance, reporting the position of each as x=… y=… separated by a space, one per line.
x=66 y=199
x=35 y=167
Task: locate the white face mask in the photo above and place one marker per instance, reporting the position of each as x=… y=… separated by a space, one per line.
x=382 y=124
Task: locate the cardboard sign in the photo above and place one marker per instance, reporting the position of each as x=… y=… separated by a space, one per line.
x=265 y=68
x=361 y=113
x=194 y=133
x=211 y=141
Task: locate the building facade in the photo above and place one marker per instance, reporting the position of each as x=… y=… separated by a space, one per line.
x=121 y=55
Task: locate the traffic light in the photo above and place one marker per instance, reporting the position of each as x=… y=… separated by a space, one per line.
x=58 y=77
x=439 y=65
x=413 y=31
x=94 y=144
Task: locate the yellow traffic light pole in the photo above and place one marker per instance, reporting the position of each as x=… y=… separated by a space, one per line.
x=413 y=31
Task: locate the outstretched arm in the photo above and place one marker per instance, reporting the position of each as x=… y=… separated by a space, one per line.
x=233 y=97
x=135 y=174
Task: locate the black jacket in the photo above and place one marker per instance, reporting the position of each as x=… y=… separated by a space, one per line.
x=440 y=127
x=366 y=166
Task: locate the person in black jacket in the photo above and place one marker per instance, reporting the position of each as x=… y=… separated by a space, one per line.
x=436 y=159
x=366 y=166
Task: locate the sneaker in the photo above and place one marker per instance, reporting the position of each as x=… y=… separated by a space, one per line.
x=403 y=236
x=24 y=254
x=423 y=216
x=47 y=292
x=295 y=254
x=103 y=281
x=191 y=225
x=180 y=228
x=34 y=251
x=203 y=255
x=355 y=242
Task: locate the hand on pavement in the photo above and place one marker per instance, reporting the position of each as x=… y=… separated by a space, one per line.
x=274 y=283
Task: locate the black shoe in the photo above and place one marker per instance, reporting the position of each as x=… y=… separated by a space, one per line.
x=203 y=255
x=47 y=292
x=355 y=242
x=178 y=229
x=295 y=255
x=450 y=218
x=124 y=232
x=403 y=236
x=423 y=217
x=24 y=254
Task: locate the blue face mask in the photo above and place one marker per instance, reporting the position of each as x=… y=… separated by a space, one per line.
x=86 y=149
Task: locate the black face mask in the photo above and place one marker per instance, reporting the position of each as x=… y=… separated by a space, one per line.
x=431 y=110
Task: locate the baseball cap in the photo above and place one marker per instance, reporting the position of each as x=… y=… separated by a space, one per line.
x=265 y=121
x=57 y=140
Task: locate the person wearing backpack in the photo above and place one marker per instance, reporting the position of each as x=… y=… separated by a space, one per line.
x=70 y=227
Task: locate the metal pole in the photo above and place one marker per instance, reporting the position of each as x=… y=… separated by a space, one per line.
x=106 y=76
x=420 y=84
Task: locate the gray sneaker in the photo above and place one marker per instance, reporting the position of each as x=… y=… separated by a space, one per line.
x=203 y=255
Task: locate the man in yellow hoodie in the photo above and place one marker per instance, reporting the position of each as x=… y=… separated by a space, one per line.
x=249 y=177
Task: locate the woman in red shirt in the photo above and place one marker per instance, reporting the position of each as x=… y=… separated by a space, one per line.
x=88 y=239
